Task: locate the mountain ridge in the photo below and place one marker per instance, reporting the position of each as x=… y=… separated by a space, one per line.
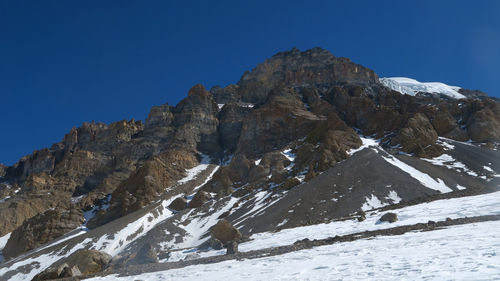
x=256 y=153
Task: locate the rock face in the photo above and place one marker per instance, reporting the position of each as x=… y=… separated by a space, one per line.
x=41 y=229
x=225 y=232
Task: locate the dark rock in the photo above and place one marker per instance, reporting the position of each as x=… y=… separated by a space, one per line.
x=199 y=199
x=225 y=231
x=389 y=217
x=178 y=204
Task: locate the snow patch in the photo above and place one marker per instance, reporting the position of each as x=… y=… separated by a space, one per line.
x=372 y=203
x=411 y=87
x=367 y=142
x=423 y=178
x=193 y=172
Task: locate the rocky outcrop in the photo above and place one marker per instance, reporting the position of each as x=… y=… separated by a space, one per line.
x=178 y=204
x=225 y=232
x=419 y=137
x=315 y=67
x=41 y=229
x=484 y=124
x=3 y=170
x=80 y=263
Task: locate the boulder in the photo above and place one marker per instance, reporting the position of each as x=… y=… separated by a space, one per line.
x=199 y=199
x=178 y=204
x=146 y=254
x=389 y=217
x=225 y=231
x=80 y=263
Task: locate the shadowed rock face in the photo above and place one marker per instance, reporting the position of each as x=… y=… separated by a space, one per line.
x=311 y=104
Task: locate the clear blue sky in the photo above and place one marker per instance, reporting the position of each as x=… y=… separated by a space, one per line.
x=66 y=62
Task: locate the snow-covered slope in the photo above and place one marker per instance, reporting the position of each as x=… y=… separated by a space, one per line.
x=412 y=87
x=466 y=252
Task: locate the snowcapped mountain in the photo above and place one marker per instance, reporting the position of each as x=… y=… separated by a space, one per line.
x=309 y=167
x=412 y=87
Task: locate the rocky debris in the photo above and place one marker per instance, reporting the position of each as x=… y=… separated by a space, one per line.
x=41 y=229
x=199 y=199
x=389 y=217
x=146 y=254
x=231 y=248
x=179 y=204
x=225 y=232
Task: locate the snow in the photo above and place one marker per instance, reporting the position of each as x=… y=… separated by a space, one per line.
x=42 y=262
x=450 y=163
x=113 y=244
x=257 y=162
x=3 y=241
x=198 y=227
x=288 y=154
x=372 y=203
x=411 y=87
x=423 y=178
x=439 y=210
x=367 y=142
x=291 y=157
x=193 y=172
x=463 y=252
x=220 y=105
x=393 y=196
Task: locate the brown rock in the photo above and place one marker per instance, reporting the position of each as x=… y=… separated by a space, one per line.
x=89 y=261
x=225 y=231
x=178 y=204
x=199 y=199
x=41 y=229
x=417 y=135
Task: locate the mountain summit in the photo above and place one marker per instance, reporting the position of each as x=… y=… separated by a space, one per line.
x=303 y=139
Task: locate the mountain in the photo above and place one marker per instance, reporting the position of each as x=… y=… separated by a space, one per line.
x=305 y=145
